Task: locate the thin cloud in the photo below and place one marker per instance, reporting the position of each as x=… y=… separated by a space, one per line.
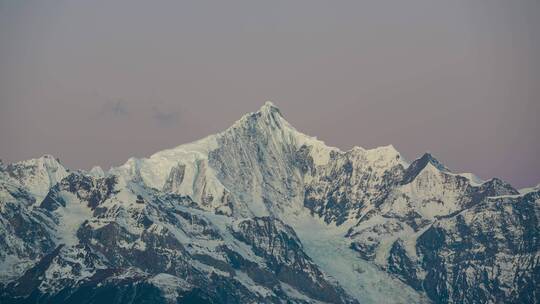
x=115 y=108
x=165 y=118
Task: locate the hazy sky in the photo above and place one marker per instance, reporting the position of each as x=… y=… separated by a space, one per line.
x=95 y=82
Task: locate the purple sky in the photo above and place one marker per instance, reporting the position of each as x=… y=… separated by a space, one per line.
x=95 y=82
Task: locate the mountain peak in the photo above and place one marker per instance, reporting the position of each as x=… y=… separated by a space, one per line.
x=428 y=158
x=269 y=108
x=497 y=187
x=418 y=165
x=38 y=174
x=45 y=161
x=267 y=115
x=269 y=105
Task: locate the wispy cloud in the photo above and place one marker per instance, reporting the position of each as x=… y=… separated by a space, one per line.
x=114 y=108
x=155 y=112
x=165 y=118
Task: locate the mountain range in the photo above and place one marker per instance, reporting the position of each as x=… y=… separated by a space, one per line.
x=261 y=213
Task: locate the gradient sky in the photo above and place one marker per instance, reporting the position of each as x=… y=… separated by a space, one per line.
x=95 y=82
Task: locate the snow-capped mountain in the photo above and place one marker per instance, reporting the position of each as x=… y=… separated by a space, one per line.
x=261 y=213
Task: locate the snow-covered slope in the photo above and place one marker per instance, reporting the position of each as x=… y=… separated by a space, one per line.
x=37 y=175
x=261 y=213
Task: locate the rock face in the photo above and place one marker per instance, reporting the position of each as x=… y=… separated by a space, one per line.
x=216 y=221
x=488 y=253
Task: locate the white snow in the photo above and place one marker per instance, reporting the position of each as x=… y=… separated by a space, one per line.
x=71 y=217
x=529 y=189
x=170 y=285
x=385 y=154
x=12 y=266
x=40 y=174
x=429 y=195
x=96 y=171
x=326 y=245
x=243 y=278
x=473 y=179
